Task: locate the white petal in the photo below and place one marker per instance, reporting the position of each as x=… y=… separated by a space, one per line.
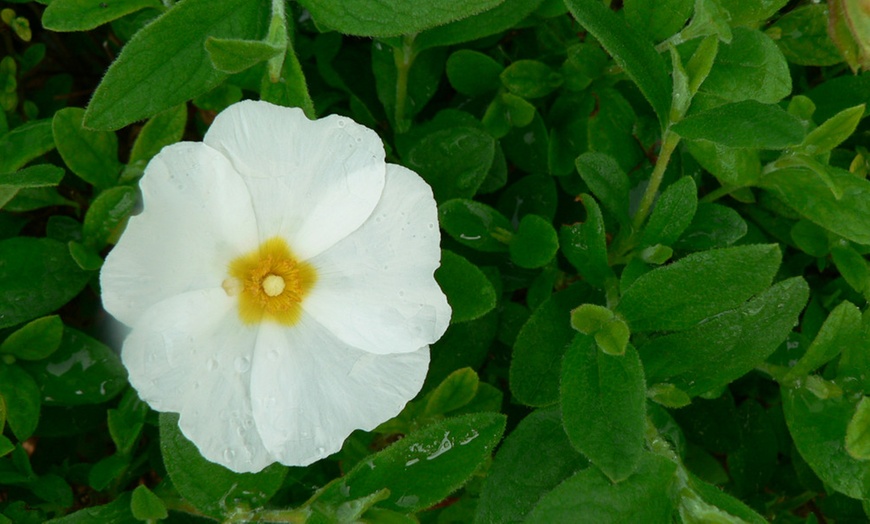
x=375 y=289
x=312 y=182
x=197 y=217
x=310 y=391
x=191 y=354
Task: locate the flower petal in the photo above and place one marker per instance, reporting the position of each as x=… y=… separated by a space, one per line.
x=375 y=289
x=311 y=391
x=197 y=217
x=190 y=354
x=312 y=182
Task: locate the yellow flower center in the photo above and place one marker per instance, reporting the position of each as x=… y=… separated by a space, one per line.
x=270 y=283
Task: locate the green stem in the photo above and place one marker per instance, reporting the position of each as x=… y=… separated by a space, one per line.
x=404 y=57
x=669 y=143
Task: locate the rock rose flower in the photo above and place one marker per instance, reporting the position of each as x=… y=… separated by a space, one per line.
x=279 y=286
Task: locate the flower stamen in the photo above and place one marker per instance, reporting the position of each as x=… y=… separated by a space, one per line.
x=273 y=283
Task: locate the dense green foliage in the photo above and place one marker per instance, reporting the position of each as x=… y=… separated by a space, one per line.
x=655 y=217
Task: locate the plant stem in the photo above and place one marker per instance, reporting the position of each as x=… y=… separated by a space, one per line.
x=669 y=143
x=404 y=57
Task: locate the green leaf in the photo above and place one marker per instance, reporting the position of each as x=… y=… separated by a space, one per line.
x=469 y=292
x=532 y=194
x=672 y=214
x=35 y=340
x=658 y=20
x=802 y=36
x=728 y=346
x=145 y=505
x=92 y=155
x=748 y=12
x=20 y=395
x=612 y=128
x=166 y=64
x=746 y=124
x=750 y=67
x=42 y=175
x=819 y=428
x=116 y=511
x=607 y=181
x=84 y=15
x=733 y=167
x=604 y=406
x=107 y=212
x=373 y=18
x=809 y=195
x=231 y=55
x=6 y=445
x=833 y=131
x=713 y=226
x=530 y=79
x=585 y=245
x=126 y=421
x=161 y=130
x=531 y=461
x=842 y=328
x=454 y=392
x=540 y=346
x=701 y=63
x=642 y=497
x=454 y=161
x=25 y=143
x=37 y=276
x=611 y=332
x=211 y=488
x=85 y=257
x=631 y=51
x=697 y=287
x=107 y=471
x=475 y=225
x=858 y=431
x=424 y=467
x=713 y=503
x=502 y=17
x=852 y=266
x=473 y=73
x=82 y=371
x=535 y=243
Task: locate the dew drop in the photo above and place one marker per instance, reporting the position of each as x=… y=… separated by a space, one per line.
x=273 y=354
x=229 y=455
x=431 y=226
x=401 y=293
x=196 y=385
x=321 y=450
x=242 y=364
x=211 y=364
x=341 y=123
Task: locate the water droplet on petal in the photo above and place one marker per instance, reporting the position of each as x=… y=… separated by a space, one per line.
x=229 y=455
x=273 y=354
x=212 y=364
x=321 y=450
x=242 y=364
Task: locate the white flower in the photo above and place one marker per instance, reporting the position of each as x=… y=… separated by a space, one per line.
x=279 y=285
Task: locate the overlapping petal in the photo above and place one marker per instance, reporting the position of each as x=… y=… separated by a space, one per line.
x=190 y=354
x=375 y=289
x=310 y=390
x=197 y=216
x=312 y=182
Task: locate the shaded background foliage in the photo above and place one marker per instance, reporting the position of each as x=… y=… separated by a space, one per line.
x=656 y=219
